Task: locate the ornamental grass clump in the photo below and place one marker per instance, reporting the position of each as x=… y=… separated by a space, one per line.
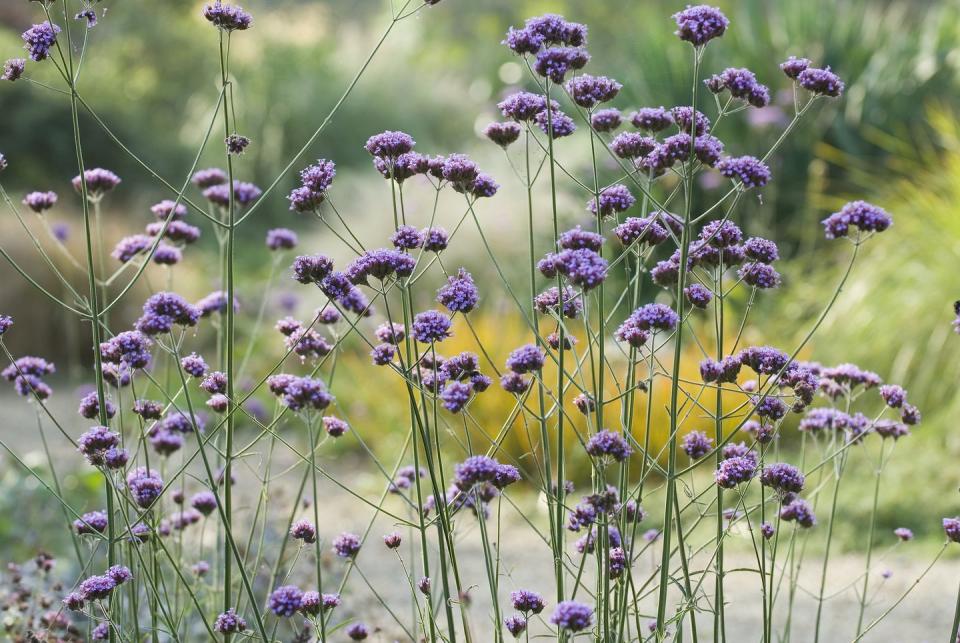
x=216 y=523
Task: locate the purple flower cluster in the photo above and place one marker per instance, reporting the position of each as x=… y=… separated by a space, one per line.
x=227 y=17
x=40 y=201
x=735 y=470
x=26 y=373
x=700 y=24
x=864 y=216
x=459 y=294
x=751 y=172
x=608 y=444
x=572 y=616
x=380 y=264
x=99 y=181
x=526 y=359
x=742 y=84
x=164 y=310
x=40 y=39
x=612 y=200
x=696 y=444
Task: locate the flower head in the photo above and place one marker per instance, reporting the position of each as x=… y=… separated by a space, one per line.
x=572 y=616
x=346 y=545
x=700 y=24
x=459 y=294
x=13 y=69
x=227 y=17
x=866 y=217
x=608 y=443
x=39 y=39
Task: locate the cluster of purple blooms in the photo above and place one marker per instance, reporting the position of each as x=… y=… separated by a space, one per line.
x=555 y=50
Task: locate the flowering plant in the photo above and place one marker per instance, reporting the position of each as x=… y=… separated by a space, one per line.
x=598 y=342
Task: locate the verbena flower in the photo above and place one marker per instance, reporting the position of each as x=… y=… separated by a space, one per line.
x=40 y=39
x=587 y=91
x=503 y=134
x=358 y=631
x=430 y=326
x=435 y=239
x=612 y=200
x=556 y=62
x=392 y=540
x=281 y=239
x=516 y=624
x=285 y=600
x=606 y=120
x=582 y=267
x=304 y=530
x=734 y=471
x=236 y=144
x=522 y=106
x=864 y=216
x=227 y=17
x=145 y=485
x=193 y=365
x=799 y=511
x=748 y=170
x=13 y=69
x=793 y=66
x=97 y=587
x=759 y=275
x=903 y=534
x=334 y=426
x=572 y=616
x=99 y=181
x=683 y=117
x=607 y=443
x=700 y=24
x=459 y=294
x=91 y=522
x=90 y=406
x=243 y=193
x=761 y=250
x=525 y=359
x=40 y=201
x=820 y=81
x=782 y=477
x=698 y=295
x=651 y=119
x=696 y=444
x=204 y=501
x=229 y=622
x=549 y=302
x=389 y=144
x=527 y=601
x=951 y=527
x=555 y=123
x=346 y=545
x=164 y=310
x=642 y=230
x=209 y=177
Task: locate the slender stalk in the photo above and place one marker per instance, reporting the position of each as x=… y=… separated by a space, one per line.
x=873 y=525
x=675 y=376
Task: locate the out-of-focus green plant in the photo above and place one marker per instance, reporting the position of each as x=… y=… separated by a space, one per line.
x=896 y=311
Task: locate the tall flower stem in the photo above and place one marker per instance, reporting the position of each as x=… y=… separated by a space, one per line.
x=558 y=514
x=873 y=525
x=675 y=375
x=826 y=552
x=230 y=327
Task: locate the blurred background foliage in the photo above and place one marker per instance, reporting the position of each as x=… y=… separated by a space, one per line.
x=150 y=73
